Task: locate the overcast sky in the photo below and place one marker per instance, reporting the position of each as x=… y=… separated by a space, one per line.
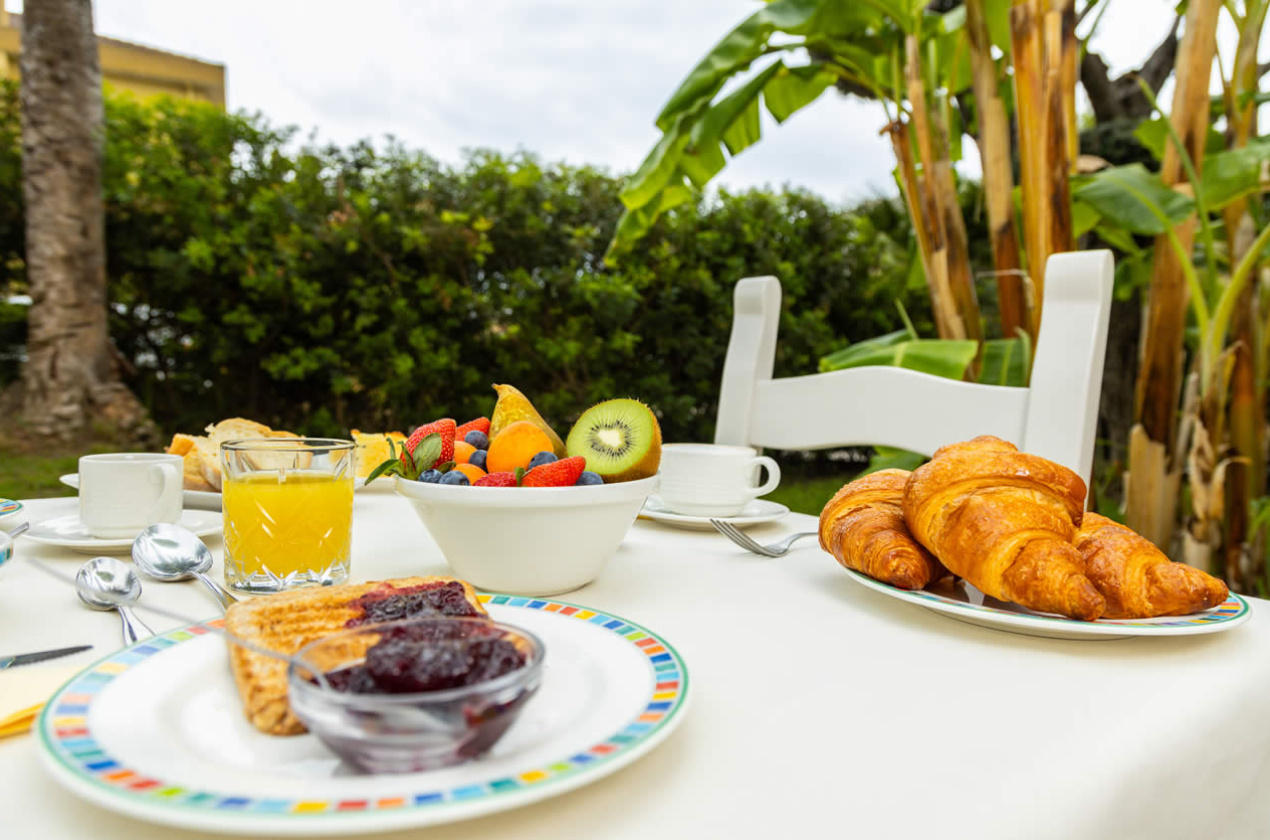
x=577 y=80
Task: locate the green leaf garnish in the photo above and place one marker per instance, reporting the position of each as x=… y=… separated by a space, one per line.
x=390 y=467
x=426 y=453
x=520 y=475
x=446 y=467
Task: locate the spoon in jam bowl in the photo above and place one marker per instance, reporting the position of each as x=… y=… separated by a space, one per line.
x=105 y=583
x=170 y=553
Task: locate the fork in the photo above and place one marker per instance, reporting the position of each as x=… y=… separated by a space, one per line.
x=779 y=549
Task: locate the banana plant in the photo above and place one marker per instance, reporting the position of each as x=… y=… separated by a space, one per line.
x=783 y=58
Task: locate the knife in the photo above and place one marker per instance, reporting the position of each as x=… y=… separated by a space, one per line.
x=39 y=656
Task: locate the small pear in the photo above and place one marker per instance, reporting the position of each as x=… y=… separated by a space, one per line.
x=512 y=406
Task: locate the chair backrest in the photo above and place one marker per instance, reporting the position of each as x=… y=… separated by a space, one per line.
x=1055 y=417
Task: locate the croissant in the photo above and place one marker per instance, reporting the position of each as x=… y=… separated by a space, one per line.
x=1136 y=578
x=1004 y=520
x=863 y=527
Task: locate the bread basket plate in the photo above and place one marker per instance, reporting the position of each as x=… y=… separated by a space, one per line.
x=156 y=731
x=963 y=602
x=196 y=499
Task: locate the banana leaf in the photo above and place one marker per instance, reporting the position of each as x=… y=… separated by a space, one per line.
x=1006 y=361
x=939 y=357
x=1238 y=173
x=1135 y=199
x=889 y=458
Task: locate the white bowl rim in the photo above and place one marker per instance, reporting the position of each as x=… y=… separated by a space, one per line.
x=516 y=497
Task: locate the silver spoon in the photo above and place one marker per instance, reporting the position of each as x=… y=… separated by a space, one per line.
x=220 y=631
x=169 y=552
x=105 y=583
x=18 y=530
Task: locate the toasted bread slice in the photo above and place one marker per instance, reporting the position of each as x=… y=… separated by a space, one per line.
x=288 y=621
x=373 y=450
x=188 y=448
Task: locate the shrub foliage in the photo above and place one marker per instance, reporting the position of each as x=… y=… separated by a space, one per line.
x=319 y=288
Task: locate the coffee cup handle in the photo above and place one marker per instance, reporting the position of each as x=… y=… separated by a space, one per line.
x=170 y=475
x=773 y=476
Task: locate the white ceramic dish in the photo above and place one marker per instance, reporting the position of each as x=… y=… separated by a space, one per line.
x=205 y=500
x=756 y=512
x=527 y=540
x=156 y=732
x=69 y=532
x=966 y=604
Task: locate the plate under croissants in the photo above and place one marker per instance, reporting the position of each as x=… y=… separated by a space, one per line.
x=991 y=535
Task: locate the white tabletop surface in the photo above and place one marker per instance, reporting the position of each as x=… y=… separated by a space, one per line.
x=821 y=709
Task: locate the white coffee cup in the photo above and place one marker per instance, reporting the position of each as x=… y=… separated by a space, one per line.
x=122 y=493
x=708 y=479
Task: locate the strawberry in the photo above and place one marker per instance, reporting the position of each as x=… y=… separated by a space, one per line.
x=445 y=428
x=498 y=479
x=480 y=424
x=562 y=473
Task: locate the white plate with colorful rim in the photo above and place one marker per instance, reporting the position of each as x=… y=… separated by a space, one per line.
x=69 y=531
x=966 y=604
x=156 y=731
x=756 y=512
x=203 y=499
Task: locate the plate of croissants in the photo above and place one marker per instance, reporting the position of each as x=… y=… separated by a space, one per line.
x=992 y=536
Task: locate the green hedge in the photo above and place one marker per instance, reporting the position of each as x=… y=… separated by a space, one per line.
x=323 y=288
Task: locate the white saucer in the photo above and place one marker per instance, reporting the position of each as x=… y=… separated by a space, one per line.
x=69 y=532
x=755 y=513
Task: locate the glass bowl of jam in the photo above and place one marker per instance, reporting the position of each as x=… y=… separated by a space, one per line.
x=418 y=694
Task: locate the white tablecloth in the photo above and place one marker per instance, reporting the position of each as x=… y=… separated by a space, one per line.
x=821 y=709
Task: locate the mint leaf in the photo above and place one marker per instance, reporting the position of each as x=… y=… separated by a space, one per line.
x=426 y=453
x=520 y=475
x=446 y=467
x=390 y=467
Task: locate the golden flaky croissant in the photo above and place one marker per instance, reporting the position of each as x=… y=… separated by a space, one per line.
x=863 y=526
x=1004 y=520
x=1136 y=578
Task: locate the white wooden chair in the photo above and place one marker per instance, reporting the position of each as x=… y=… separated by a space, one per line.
x=885 y=406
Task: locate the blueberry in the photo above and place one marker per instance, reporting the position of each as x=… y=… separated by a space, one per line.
x=430 y=476
x=588 y=478
x=454 y=477
x=542 y=458
x=478 y=457
x=477 y=439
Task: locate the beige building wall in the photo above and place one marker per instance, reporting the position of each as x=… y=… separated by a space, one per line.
x=144 y=71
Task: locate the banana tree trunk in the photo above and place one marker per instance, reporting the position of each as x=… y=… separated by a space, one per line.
x=998 y=178
x=934 y=257
x=1027 y=46
x=1160 y=375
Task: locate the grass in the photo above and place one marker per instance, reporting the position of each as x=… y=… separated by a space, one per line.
x=806 y=495
x=33 y=475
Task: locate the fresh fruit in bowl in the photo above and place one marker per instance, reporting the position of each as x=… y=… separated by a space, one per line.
x=513 y=407
x=524 y=515
x=620 y=440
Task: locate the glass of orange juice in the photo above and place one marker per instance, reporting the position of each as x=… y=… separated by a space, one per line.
x=288 y=505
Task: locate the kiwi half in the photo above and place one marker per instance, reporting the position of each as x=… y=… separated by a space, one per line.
x=620 y=440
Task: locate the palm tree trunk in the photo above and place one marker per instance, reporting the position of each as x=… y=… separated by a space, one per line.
x=70 y=377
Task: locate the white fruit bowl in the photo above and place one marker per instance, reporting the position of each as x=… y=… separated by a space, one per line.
x=527 y=540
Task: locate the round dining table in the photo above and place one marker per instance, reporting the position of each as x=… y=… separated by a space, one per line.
x=819 y=708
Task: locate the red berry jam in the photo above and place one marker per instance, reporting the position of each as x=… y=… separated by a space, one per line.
x=432 y=656
x=425 y=601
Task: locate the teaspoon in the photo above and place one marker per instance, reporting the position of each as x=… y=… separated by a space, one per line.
x=169 y=552
x=105 y=583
